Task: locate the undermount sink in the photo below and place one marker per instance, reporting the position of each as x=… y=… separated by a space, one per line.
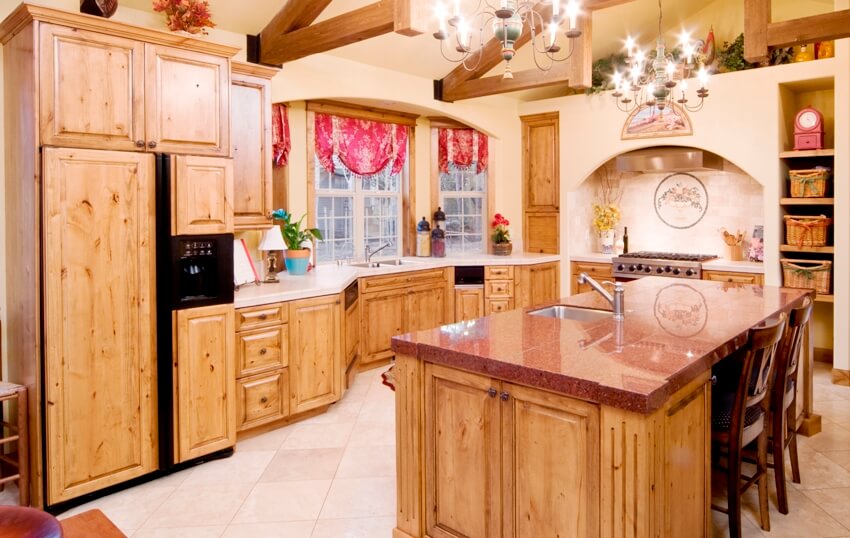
x=382 y=263
x=575 y=313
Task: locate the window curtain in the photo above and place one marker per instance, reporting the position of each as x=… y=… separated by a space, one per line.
x=462 y=147
x=281 y=142
x=364 y=147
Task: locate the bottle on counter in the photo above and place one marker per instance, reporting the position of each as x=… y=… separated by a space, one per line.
x=440 y=218
x=438 y=242
x=423 y=238
x=626 y=240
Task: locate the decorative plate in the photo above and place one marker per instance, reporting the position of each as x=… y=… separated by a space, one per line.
x=681 y=200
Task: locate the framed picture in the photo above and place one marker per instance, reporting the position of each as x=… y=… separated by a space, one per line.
x=650 y=122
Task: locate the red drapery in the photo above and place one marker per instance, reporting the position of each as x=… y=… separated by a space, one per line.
x=364 y=147
x=281 y=141
x=462 y=147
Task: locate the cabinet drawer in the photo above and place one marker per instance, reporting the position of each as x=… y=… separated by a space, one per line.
x=737 y=278
x=262 y=349
x=494 y=306
x=593 y=269
x=260 y=316
x=499 y=273
x=263 y=398
x=499 y=288
x=401 y=280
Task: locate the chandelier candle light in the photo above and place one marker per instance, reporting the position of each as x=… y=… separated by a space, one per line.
x=652 y=81
x=506 y=21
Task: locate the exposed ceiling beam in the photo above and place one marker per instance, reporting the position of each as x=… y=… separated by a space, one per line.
x=523 y=80
x=369 y=21
x=824 y=27
x=294 y=15
x=580 y=72
x=412 y=17
x=756 y=20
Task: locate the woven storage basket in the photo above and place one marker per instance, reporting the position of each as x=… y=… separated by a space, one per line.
x=809 y=183
x=809 y=274
x=806 y=231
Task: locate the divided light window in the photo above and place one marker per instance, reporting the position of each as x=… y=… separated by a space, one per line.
x=355 y=211
x=463 y=196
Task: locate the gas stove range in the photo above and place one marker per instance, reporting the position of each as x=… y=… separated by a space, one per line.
x=641 y=264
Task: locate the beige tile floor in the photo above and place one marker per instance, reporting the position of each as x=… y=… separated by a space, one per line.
x=334 y=476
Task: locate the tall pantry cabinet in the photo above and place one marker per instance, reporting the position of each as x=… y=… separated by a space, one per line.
x=87 y=103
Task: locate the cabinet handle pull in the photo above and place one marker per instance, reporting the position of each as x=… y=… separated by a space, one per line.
x=262 y=317
x=263 y=351
x=504 y=396
x=492 y=392
x=264 y=399
x=140 y=143
x=152 y=144
x=713 y=380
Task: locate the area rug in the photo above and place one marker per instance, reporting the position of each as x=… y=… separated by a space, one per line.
x=388 y=378
x=90 y=524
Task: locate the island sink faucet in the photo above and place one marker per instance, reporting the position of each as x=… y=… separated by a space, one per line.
x=370 y=253
x=617 y=300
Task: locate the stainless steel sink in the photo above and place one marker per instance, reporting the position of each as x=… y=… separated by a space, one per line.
x=572 y=312
x=382 y=263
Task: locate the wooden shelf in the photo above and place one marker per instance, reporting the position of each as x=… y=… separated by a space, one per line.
x=807 y=153
x=825 y=298
x=807 y=201
x=795 y=248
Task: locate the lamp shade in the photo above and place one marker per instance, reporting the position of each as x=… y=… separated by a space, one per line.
x=272 y=239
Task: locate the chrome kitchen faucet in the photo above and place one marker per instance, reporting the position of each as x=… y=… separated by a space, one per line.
x=617 y=300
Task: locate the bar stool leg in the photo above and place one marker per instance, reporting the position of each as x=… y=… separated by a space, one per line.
x=733 y=486
x=23 y=449
x=792 y=445
x=778 y=428
x=761 y=469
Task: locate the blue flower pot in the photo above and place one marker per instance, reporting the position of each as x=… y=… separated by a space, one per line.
x=297 y=261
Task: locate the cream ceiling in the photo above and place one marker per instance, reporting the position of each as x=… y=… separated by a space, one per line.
x=421 y=55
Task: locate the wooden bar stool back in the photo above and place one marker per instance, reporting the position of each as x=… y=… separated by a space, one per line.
x=738 y=419
x=14 y=433
x=783 y=401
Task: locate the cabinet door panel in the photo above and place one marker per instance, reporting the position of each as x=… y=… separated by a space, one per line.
x=469 y=303
x=426 y=308
x=542 y=233
x=314 y=353
x=252 y=140
x=263 y=398
x=187 y=101
x=536 y=428
x=462 y=448
x=385 y=316
x=205 y=380
x=92 y=90
x=540 y=163
x=202 y=193
x=735 y=278
x=352 y=334
x=540 y=284
x=98 y=319
x=262 y=349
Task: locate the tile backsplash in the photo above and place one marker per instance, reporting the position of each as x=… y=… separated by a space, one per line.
x=735 y=202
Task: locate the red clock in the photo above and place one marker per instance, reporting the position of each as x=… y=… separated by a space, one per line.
x=808 y=129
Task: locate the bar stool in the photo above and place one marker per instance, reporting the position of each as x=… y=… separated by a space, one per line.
x=739 y=409
x=783 y=401
x=15 y=433
x=24 y=522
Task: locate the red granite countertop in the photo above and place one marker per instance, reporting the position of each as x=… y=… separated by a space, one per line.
x=674 y=331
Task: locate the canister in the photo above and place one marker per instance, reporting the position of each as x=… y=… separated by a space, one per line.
x=438 y=242
x=423 y=238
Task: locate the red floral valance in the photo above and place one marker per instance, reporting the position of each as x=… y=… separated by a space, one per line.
x=364 y=147
x=281 y=142
x=462 y=147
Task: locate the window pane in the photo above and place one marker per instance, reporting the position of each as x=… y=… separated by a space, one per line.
x=335 y=220
x=473 y=206
x=381 y=223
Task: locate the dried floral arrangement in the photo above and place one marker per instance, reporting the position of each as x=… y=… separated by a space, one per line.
x=606 y=210
x=191 y=16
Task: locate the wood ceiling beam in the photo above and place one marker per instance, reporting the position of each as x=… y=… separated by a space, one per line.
x=364 y=23
x=523 y=80
x=757 y=18
x=412 y=17
x=294 y=15
x=824 y=27
x=580 y=72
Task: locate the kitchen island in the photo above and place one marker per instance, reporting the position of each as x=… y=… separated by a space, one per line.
x=522 y=425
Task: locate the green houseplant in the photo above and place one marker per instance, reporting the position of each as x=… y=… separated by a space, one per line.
x=296 y=256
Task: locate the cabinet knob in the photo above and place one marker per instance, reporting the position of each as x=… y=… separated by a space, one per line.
x=492 y=392
x=713 y=380
x=262 y=317
x=263 y=351
x=264 y=399
x=152 y=144
x=504 y=396
x=140 y=143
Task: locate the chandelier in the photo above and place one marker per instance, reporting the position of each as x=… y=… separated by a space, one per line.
x=659 y=79
x=505 y=22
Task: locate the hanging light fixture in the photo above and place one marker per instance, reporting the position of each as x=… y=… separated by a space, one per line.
x=662 y=80
x=506 y=22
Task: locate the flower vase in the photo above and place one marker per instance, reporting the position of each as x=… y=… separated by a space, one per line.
x=606 y=241
x=297 y=261
x=502 y=249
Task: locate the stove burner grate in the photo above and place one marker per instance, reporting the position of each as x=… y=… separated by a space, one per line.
x=673 y=256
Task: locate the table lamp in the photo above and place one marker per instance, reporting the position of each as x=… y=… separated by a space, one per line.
x=272 y=241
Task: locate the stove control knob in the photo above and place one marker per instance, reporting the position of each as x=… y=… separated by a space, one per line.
x=668 y=269
x=676 y=271
x=647 y=269
x=660 y=270
x=640 y=267
x=621 y=267
x=690 y=272
x=632 y=268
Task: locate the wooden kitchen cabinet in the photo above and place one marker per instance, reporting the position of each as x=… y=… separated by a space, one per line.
x=737 y=278
x=539 y=284
x=263 y=398
x=426 y=307
x=260 y=350
x=499 y=289
x=202 y=194
x=205 y=376
x=251 y=132
x=597 y=271
x=487 y=445
x=469 y=303
x=315 y=353
x=384 y=315
x=92 y=90
x=99 y=321
x=541 y=182
x=351 y=349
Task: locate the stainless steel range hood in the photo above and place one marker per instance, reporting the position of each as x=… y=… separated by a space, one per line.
x=669 y=159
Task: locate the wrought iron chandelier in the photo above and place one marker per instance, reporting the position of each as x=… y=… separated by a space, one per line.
x=658 y=81
x=506 y=21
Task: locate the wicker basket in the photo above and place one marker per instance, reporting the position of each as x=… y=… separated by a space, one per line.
x=809 y=183
x=809 y=274
x=806 y=231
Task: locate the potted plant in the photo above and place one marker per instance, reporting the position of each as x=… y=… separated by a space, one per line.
x=605 y=219
x=501 y=236
x=296 y=256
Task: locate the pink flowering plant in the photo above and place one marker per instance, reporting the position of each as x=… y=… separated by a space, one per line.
x=191 y=16
x=501 y=234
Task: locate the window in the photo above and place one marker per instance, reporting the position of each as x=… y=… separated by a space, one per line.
x=463 y=197
x=353 y=212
